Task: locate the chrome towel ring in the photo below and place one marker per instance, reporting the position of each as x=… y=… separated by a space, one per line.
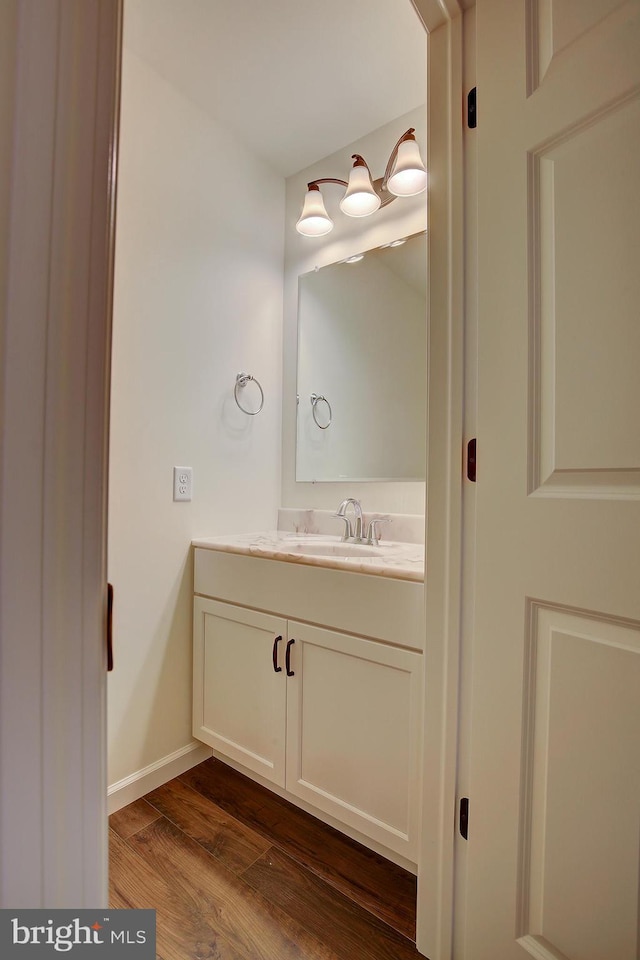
x=315 y=400
x=242 y=379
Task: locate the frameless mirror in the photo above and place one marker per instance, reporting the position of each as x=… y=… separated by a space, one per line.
x=362 y=367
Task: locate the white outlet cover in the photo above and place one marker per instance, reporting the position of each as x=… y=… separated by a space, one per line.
x=182 y=483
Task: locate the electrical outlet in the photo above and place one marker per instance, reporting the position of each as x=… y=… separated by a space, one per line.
x=182 y=483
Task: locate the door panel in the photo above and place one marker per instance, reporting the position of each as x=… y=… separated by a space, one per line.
x=239 y=699
x=353 y=711
x=578 y=876
x=553 y=843
x=555 y=24
x=584 y=289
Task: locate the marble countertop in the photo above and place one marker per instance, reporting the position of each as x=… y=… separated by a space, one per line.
x=402 y=561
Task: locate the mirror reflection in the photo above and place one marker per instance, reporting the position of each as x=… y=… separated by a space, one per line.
x=362 y=366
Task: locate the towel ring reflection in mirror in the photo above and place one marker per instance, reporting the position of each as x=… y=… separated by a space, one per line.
x=242 y=379
x=315 y=400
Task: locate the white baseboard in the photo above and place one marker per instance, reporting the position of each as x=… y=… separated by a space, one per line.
x=150 y=778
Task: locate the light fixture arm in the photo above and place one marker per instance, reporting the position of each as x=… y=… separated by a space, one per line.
x=408 y=135
x=313 y=184
x=359 y=162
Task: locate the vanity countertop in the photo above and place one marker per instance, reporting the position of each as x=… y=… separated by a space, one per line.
x=402 y=561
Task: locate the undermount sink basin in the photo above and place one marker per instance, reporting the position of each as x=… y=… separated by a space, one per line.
x=332 y=548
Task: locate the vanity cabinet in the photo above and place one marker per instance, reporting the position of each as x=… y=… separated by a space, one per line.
x=330 y=718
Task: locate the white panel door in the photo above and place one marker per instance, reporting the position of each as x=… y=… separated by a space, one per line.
x=353 y=726
x=554 y=835
x=239 y=692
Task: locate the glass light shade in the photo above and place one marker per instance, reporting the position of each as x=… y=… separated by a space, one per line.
x=314 y=220
x=409 y=175
x=360 y=199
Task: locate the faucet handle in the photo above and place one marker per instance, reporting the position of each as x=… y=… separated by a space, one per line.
x=348 y=532
x=372 y=535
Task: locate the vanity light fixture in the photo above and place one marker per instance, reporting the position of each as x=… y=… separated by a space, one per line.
x=355 y=258
x=405 y=176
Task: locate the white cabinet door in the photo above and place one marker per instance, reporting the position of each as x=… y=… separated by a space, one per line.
x=555 y=725
x=239 y=696
x=353 y=727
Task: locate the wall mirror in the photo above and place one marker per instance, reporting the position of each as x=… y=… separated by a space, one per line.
x=362 y=367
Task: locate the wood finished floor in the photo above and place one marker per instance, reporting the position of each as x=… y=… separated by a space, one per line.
x=237 y=873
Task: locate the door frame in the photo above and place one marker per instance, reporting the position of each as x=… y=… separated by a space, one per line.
x=53 y=539
x=443 y=510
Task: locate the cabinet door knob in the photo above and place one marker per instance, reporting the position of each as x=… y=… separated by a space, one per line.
x=276 y=668
x=287 y=660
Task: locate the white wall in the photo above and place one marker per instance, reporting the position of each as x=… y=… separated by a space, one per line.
x=349 y=235
x=198 y=298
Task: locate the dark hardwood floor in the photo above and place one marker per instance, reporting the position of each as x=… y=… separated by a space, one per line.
x=237 y=873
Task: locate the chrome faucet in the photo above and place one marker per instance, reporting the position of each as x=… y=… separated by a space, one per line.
x=353 y=531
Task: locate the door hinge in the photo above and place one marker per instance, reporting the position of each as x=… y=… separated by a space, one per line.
x=471 y=460
x=464 y=817
x=472 y=109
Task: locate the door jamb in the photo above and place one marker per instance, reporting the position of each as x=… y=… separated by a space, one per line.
x=52 y=882
x=443 y=513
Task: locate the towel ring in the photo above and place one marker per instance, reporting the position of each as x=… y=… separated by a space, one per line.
x=242 y=379
x=315 y=400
